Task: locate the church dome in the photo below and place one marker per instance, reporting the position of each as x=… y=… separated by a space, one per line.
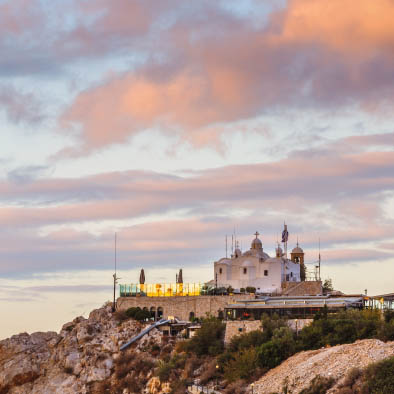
x=256 y=243
x=237 y=252
x=297 y=249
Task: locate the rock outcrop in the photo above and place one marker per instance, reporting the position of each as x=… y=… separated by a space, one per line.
x=69 y=362
x=335 y=362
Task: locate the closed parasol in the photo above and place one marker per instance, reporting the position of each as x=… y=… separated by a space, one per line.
x=142 y=277
x=180 y=277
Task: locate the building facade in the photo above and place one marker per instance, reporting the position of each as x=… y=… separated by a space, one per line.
x=255 y=268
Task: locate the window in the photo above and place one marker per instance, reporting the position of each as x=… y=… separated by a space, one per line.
x=220 y=270
x=245 y=270
x=265 y=272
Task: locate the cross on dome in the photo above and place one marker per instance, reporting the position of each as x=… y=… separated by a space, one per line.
x=256 y=234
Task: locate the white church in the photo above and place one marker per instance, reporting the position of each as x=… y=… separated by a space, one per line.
x=255 y=268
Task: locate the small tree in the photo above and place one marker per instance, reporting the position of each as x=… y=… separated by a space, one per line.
x=208 y=340
x=327 y=286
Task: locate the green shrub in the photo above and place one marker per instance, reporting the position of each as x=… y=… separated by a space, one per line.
x=380 y=377
x=137 y=313
x=388 y=316
x=142 y=315
x=208 y=340
x=131 y=312
x=345 y=327
x=165 y=368
x=251 y=339
x=386 y=331
x=270 y=323
x=250 y=289
x=243 y=365
x=279 y=348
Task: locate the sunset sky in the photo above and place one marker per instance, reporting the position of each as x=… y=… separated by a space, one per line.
x=174 y=122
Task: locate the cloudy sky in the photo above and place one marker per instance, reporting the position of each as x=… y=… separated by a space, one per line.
x=175 y=122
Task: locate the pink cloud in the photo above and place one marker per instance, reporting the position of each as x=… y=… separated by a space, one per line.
x=347 y=183
x=309 y=54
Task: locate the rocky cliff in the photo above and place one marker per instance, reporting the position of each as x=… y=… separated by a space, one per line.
x=73 y=361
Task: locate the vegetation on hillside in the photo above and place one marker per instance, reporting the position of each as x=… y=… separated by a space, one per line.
x=250 y=355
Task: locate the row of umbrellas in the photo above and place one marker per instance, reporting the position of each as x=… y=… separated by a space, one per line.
x=179 y=277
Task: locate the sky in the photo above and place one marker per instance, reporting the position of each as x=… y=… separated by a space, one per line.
x=174 y=124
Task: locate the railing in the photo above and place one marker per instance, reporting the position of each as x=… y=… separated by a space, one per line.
x=160 y=289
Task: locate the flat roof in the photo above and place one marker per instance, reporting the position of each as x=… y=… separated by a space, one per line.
x=296 y=302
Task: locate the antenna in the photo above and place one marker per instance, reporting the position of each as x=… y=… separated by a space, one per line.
x=232 y=243
x=319 y=260
x=235 y=239
x=115 y=280
x=226 y=246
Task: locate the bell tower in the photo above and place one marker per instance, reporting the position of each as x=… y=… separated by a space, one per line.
x=297 y=256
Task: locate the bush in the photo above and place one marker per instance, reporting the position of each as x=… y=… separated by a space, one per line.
x=345 y=327
x=251 y=339
x=165 y=368
x=250 y=289
x=388 y=316
x=270 y=324
x=243 y=365
x=208 y=340
x=380 y=377
x=280 y=347
x=386 y=331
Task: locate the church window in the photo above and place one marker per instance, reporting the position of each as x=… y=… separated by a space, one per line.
x=265 y=272
x=220 y=270
x=245 y=270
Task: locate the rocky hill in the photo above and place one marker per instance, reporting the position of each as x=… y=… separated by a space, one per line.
x=84 y=353
x=297 y=372
x=84 y=358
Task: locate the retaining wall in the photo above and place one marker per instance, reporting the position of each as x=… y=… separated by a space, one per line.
x=182 y=306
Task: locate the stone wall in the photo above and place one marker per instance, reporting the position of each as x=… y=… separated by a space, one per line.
x=238 y=327
x=182 y=306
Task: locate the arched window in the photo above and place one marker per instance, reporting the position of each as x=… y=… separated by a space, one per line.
x=191 y=316
x=220 y=270
x=153 y=312
x=245 y=271
x=159 y=312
